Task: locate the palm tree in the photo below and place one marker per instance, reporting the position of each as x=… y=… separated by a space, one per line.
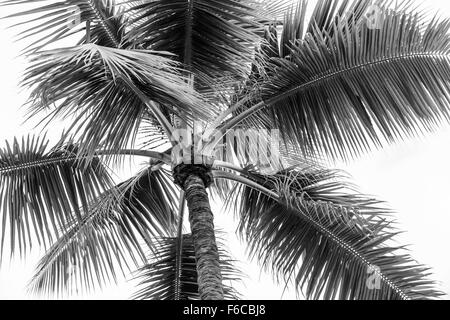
x=340 y=80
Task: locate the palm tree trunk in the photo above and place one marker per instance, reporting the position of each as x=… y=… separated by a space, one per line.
x=202 y=229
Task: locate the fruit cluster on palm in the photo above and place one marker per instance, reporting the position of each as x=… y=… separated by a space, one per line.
x=329 y=82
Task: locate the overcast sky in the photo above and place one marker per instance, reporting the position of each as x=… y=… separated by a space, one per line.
x=412 y=176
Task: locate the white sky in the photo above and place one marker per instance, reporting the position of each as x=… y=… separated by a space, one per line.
x=413 y=177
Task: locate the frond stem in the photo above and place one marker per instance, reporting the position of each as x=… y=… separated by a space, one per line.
x=218 y=174
x=228 y=165
x=88 y=31
x=188 y=35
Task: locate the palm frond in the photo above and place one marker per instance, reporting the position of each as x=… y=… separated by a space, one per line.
x=344 y=92
x=115 y=232
x=42 y=189
x=211 y=37
x=48 y=22
x=328 y=241
x=158 y=278
x=106 y=90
